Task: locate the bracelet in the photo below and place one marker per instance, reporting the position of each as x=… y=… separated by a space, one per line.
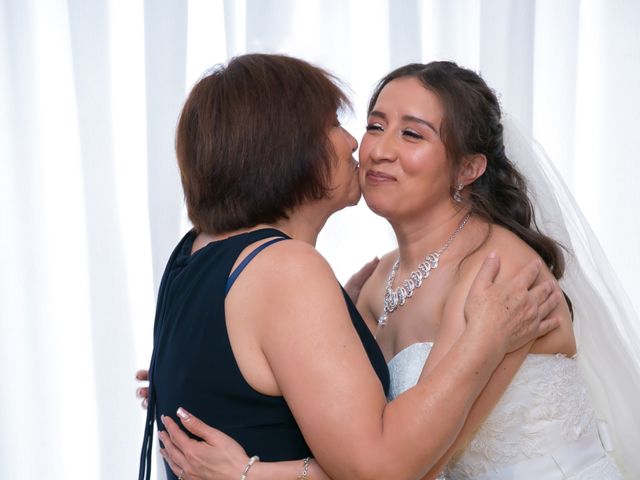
x=251 y=461
x=305 y=469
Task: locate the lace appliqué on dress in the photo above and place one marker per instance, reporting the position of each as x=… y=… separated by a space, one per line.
x=547 y=394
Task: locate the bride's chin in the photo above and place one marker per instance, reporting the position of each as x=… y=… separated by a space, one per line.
x=377 y=207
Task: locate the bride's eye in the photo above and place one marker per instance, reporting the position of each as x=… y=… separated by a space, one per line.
x=373 y=127
x=412 y=134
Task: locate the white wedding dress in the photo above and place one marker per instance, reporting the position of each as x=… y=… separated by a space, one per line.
x=543 y=428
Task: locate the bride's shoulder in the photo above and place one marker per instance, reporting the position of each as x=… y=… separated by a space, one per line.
x=514 y=253
x=509 y=245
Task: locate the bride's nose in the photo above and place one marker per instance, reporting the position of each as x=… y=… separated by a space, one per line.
x=384 y=149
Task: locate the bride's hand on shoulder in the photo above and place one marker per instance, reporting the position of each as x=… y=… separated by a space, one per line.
x=512 y=311
x=354 y=285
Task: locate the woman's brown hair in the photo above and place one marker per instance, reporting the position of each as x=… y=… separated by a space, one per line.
x=472 y=125
x=252 y=141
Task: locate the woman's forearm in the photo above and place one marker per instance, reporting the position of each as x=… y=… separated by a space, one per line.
x=287 y=470
x=439 y=404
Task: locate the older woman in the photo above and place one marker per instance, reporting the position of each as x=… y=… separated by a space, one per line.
x=253 y=333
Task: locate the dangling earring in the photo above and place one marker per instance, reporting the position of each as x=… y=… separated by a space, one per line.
x=456 y=195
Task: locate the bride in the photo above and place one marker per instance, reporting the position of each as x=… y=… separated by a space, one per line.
x=433 y=163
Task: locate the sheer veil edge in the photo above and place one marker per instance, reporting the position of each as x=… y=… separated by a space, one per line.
x=606 y=326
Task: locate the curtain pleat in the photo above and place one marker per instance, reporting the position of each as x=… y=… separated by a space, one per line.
x=90 y=197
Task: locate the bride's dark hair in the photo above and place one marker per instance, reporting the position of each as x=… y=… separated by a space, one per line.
x=472 y=125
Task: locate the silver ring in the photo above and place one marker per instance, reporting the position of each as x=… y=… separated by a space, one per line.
x=180 y=475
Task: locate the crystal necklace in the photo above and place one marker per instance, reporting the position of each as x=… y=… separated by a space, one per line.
x=398 y=297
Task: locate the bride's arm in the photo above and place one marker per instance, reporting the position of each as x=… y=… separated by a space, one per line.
x=515 y=258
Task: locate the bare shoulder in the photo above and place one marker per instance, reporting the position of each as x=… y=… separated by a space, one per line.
x=295 y=258
x=291 y=268
x=514 y=253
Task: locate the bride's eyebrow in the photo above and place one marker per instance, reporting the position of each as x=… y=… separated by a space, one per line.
x=376 y=113
x=407 y=118
x=411 y=118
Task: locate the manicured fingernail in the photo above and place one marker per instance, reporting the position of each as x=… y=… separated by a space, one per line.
x=162 y=419
x=183 y=414
x=493 y=255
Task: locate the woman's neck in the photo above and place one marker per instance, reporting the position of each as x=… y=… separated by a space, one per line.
x=303 y=224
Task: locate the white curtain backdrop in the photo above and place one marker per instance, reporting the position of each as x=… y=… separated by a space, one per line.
x=90 y=201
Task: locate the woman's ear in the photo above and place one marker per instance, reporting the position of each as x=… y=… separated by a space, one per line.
x=473 y=166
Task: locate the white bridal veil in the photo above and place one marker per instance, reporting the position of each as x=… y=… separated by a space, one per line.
x=606 y=326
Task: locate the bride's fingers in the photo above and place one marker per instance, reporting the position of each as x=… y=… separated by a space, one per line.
x=142 y=392
x=356 y=282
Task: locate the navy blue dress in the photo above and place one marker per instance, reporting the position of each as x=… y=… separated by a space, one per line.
x=193 y=365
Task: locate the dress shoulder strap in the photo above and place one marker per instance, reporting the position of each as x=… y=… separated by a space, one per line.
x=234 y=275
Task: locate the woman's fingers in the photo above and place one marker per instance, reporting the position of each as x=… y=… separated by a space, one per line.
x=179 y=438
x=487 y=273
x=548 y=299
x=200 y=429
x=528 y=275
x=511 y=310
x=173 y=455
x=548 y=324
x=142 y=375
x=174 y=468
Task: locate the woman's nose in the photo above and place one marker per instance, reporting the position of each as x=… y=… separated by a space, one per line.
x=354 y=142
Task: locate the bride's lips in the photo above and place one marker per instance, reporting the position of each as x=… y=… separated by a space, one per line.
x=375 y=177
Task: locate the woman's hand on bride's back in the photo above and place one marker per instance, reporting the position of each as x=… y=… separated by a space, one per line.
x=514 y=311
